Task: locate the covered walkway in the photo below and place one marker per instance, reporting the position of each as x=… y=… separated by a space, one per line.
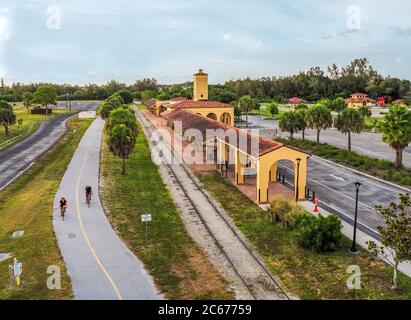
x=245 y=158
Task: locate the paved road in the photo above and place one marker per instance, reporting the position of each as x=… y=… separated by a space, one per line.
x=98 y=262
x=369 y=144
x=334 y=185
x=18 y=158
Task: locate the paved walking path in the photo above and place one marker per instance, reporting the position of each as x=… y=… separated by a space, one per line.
x=98 y=262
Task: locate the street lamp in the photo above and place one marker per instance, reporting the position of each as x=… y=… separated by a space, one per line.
x=354 y=240
x=66 y=96
x=298 y=178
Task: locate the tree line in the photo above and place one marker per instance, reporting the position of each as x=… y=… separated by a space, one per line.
x=311 y=85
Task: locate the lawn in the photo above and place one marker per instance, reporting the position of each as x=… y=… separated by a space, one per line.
x=307 y=274
x=380 y=168
x=31 y=122
x=27 y=204
x=179 y=268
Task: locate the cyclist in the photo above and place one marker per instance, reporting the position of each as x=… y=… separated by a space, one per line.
x=63 y=206
x=89 y=193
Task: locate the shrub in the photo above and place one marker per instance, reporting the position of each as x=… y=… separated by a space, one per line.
x=320 y=235
x=286 y=213
x=279 y=212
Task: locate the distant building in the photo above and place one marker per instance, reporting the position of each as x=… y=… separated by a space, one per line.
x=360 y=100
x=200 y=104
x=295 y=100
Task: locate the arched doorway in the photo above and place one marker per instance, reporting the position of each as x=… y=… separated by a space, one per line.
x=225 y=118
x=212 y=116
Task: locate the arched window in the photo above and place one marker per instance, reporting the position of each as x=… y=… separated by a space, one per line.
x=225 y=118
x=212 y=116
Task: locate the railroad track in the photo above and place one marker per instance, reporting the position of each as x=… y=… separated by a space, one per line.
x=262 y=286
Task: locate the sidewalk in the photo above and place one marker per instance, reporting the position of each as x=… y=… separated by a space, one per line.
x=98 y=262
x=362 y=238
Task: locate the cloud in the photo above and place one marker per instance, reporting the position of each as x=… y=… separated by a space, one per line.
x=4 y=37
x=241 y=41
x=4 y=28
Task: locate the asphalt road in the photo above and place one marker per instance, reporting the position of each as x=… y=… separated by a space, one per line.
x=369 y=144
x=99 y=264
x=18 y=158
x=334 y=186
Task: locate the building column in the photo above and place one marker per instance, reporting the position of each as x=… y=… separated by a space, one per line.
x=239 y=167
x=263 y=177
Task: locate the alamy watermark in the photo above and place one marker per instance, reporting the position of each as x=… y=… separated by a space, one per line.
x=53 y=21
x=354 y=18
x=208 y=146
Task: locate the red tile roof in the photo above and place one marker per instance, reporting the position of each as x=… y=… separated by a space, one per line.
x=179 y=99
x=189 y=104
x=151 y=102
x=190 y=120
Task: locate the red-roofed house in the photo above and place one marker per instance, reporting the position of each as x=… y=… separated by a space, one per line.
x=360 y=100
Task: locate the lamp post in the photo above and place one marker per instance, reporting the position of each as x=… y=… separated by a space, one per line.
x=298 y=178
x=66 y=96
x=354 y=240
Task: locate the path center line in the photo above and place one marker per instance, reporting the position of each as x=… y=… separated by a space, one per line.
x=83 y=229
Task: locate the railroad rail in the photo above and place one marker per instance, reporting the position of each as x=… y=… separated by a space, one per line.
x=280 y=293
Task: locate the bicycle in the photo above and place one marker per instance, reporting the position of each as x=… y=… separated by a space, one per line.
x=88 y=199
x=63 y=211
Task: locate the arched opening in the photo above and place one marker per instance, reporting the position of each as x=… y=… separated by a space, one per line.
x=212 y=116
x=225 y=118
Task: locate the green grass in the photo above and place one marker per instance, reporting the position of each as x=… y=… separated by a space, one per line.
x=179 y=268
x=27 y=204
x=307 y=274
x=30 y=122
x=380 y=168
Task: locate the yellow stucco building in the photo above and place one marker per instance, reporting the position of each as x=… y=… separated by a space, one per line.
x=200 y=104
x=240 y=151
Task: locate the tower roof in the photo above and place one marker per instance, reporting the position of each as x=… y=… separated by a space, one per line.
x=200 y=73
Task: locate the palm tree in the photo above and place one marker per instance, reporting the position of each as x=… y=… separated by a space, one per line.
x=396 y=131
x=122 y=143
x=290 y=122
x=27 y=100
x=7 y=116
x=302 y=113
x=319 y=117
x=338 y=105
x=246 y=104
x=273 y=109
x=350 y=121
x=122 y=116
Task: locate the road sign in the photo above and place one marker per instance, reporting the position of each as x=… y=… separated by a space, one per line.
x=146 y=218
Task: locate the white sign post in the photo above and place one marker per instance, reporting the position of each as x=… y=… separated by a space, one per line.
x=16 y=270
x=146 y=218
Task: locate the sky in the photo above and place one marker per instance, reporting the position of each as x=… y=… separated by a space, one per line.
x=80 y=42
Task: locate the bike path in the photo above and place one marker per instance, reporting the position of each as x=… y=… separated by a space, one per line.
x=98 y=262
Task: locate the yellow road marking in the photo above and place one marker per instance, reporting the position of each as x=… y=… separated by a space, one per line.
x=84 y=231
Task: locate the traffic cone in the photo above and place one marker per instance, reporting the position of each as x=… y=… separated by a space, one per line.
x=316 y=208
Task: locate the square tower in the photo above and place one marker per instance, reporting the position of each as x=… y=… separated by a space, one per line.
x=200 y=86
